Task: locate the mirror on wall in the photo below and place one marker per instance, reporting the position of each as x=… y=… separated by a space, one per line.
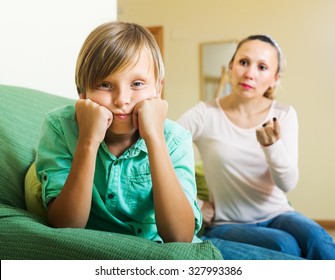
x=214 y=60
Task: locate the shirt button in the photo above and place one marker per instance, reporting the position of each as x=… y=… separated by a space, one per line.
x=110 y=196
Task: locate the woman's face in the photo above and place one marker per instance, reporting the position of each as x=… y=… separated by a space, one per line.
x=254 y=69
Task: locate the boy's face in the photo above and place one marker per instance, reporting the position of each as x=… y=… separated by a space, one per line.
x=120 y=92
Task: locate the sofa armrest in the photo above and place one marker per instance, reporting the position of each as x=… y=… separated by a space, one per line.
x=24 y=236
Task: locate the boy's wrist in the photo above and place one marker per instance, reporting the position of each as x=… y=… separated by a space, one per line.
x=88 y=145
x=154 y=139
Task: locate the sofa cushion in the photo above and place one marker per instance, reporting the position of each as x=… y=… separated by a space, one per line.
x=33 y=193
x=21 y=116
x=202 y=189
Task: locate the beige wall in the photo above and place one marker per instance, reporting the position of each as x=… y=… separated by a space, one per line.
x=40 y=41
x=305 y=30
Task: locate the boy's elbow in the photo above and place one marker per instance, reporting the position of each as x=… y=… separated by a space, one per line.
x=178 y=237
x=56 y=223
x=60 y=221
x=186 y=239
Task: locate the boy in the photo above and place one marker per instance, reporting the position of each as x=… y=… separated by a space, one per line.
x=113 y=162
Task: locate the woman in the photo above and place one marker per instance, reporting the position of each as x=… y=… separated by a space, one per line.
x=249 y=146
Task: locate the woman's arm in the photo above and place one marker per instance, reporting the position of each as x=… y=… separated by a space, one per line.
x=282 y=156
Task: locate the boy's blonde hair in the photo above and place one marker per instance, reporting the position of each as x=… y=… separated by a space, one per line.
x=110 y=48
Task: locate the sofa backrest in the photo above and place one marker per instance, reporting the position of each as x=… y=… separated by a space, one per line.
x=21 y=115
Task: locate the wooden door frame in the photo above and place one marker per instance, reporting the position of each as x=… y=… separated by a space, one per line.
x=157 y=32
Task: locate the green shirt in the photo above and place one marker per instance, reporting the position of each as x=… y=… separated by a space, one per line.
x=122 y=191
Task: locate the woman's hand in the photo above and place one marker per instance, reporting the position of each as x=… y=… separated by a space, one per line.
x=93 y=121
x=208 y=212
x=269 y=133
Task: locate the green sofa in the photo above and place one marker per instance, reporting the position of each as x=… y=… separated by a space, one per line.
x=24 y=235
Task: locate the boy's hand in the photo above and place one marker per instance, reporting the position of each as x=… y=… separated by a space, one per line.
x=149 y=116
x=269 y=133
x=93 y=121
